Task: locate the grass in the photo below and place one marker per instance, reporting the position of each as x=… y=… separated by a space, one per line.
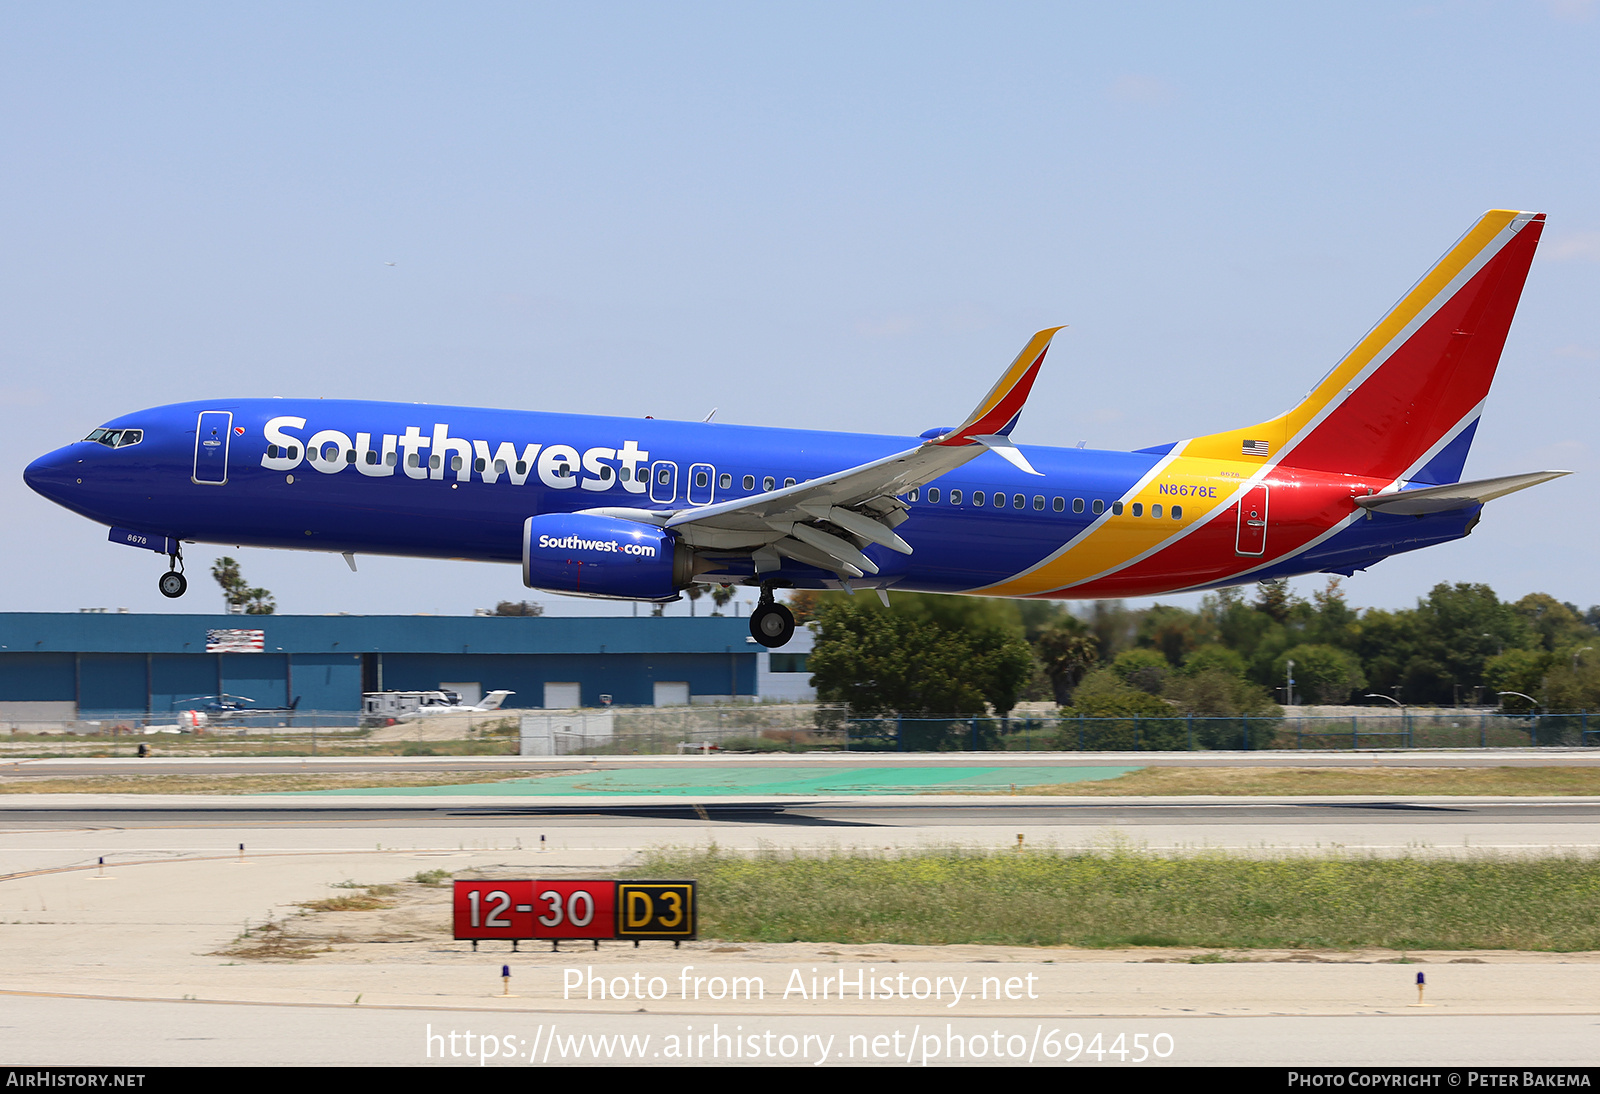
x=274 y=942
x=156 y=783
x=1123 y=898
x=1496 y=781
x=370 y=899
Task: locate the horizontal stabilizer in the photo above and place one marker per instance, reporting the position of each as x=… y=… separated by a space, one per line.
x=1459 y=495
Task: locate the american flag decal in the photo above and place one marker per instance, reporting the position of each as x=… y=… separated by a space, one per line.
x=234 y=641
x=1255 y=448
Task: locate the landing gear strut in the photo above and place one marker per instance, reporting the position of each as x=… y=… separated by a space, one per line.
x=771 y=623
x=172 y=583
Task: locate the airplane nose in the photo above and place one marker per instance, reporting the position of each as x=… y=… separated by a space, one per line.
x=51 y=475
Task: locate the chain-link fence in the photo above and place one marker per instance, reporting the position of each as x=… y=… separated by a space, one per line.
x=796 y=727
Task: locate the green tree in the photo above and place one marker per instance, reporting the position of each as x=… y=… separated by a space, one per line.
x=1105 y=694
x=924 y=654
x=1146 y=670
x=1067 y=652
x=1323 y=674
x=237 y=593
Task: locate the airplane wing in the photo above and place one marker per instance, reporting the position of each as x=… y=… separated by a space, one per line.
x=825 y=522
x=1458 y=495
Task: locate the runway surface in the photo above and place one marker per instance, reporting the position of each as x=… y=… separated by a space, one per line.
x=124 y=963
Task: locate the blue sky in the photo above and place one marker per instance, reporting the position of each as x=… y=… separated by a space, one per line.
x=822 y=215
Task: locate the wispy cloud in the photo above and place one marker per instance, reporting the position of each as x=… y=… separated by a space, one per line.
x=23 y=396
x=1580 y=247
x=1571 y=11
x=1141 y=90
x=886 y=326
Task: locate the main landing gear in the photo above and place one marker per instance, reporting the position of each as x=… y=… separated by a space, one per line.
x=771 y=623
x=172 y=583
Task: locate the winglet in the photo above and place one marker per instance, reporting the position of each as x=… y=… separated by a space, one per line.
x=997 y=413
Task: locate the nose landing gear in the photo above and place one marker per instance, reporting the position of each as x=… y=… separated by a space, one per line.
x=771 y=623
x=172 y=583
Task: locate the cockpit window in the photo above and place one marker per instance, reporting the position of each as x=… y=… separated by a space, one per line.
x=116 y=438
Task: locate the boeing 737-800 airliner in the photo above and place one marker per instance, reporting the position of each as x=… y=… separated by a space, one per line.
x=1368 y=465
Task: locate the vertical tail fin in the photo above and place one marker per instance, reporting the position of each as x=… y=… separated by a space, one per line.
x=1405 y=401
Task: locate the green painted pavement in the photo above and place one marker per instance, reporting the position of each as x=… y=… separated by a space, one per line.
x=756 y=780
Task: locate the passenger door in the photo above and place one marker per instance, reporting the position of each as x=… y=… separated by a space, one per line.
x=211 y=447
x=1252 y=536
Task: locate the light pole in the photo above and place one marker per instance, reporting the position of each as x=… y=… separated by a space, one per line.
x=1519 y=695
x=1404 y=727
x=1534 y=711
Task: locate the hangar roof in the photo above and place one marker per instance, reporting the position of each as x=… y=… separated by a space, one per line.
x=95 y=632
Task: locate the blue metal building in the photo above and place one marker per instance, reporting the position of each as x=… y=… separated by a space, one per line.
x=106 y=664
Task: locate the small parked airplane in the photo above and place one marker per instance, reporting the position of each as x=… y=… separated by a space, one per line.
x=430 y=703
x=1366 y=466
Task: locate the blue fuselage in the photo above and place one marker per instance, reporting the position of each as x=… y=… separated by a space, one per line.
x=459 y=482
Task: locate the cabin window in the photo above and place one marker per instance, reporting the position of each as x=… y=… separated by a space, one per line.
x=1116 y=508
x=1019 y=501
x=912 y=496
x=977 y=498
x=1099 y=506
x=605 y=473
x=391 y=458
x=479 y=464
x=701 y=479
x=499 y=467
x=1059 y=505
x=1038 y=502
x=1155 y=511
x=455 y=463
x=433 y=462
x=563 y=471
x=955 y=497
x=724 y=482
x=1138 y=509
x=933 y=493
x=664 y=476
x=372 y=457
x=788 y=482
x=1077 y=505
x=1177 y=512
x=769 y=483
x=522 y=466
x=411 y=460
x=749 y=482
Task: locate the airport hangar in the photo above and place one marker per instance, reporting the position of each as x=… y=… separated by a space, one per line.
x=94 y=665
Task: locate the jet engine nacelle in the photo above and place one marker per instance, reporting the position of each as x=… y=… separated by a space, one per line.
x=585 y=554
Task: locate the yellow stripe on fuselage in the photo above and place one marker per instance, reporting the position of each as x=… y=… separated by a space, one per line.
x=1201 y=486
x=1279 y=431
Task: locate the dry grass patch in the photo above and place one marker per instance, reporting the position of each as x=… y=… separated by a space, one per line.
x=371 y=899
x=1231 y=781
x=275 y=942
x=155 y=783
